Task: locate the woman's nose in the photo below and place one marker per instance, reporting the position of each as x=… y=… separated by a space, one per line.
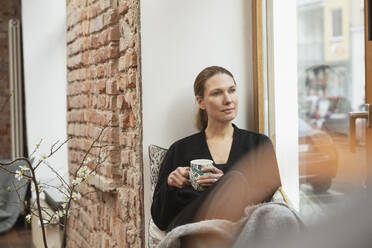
x=227 y=98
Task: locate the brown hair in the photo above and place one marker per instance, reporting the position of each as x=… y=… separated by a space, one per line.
x=199 y=86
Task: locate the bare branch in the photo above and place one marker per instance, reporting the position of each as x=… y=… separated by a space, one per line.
x=59 y=147
x=55 y=187
x=45 y=211
x=36 y=148
x=15 y=160
x=19 y=197
x=37 y=191
x=58 y=175
x=89 y=149
x=90 y=192
x=21 y=186
x=51 y=148
x=38 y=164
x=73 y=187
x=103 y=146
x=68 y=191
x=53 y=151
x=2 y=166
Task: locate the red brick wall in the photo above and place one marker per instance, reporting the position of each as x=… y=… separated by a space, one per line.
x=8 y=10
x=104 y=89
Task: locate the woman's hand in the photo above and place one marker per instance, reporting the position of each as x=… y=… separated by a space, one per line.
x=209 y=179
x=179 y=177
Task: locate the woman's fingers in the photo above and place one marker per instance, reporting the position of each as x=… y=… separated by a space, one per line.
x=173 y=181
x=207 y=182
x=208 y=179
x=215 y=173
x=212 y=169
x=179 y=182
x=209 y=176
x=184 y=171
x=179 y=177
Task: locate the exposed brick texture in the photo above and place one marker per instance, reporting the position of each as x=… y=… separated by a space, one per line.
x=8 y=10
x=104 y=90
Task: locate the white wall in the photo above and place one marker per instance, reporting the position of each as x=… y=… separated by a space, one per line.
x=44 y=50
x=178 y=39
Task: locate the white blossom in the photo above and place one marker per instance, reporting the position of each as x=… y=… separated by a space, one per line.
x=82 y=171
x=66 y=212
x=76 y=196
x=87 y=160
x=28 y=218
x=18 y=175
x=77 y=180
x=24 y=168
x=58 y=215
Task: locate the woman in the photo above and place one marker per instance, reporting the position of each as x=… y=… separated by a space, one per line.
x=175 y=201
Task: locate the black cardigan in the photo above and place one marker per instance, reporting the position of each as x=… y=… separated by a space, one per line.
x=168 y=201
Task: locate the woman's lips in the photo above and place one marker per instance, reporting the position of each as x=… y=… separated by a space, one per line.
x=228 y=110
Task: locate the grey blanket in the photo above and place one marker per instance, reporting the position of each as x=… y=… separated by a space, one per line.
x=260 y=223
x=266 y=222
x=10 y=204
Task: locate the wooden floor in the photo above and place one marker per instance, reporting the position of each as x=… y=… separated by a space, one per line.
x=18 y=237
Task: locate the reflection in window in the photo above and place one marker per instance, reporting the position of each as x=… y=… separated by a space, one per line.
x=337 y=22
x=331 y=84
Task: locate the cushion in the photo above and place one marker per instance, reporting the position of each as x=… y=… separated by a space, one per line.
x=156 y=155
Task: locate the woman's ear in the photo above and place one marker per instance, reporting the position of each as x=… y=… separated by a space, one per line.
x=200 y=102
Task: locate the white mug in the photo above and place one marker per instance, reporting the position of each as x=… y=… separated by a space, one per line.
x=196 y=166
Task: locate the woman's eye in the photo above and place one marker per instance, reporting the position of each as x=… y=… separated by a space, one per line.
x=232 y=90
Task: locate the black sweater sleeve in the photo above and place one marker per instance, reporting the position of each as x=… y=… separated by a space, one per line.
x=169 y=201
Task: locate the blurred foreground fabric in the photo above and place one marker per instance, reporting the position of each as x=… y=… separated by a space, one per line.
x=348 y=226
x=261 y=222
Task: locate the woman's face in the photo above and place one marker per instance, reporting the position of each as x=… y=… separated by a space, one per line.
x=220 y=99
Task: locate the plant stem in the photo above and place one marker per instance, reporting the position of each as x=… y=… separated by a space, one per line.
x=38 y=204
